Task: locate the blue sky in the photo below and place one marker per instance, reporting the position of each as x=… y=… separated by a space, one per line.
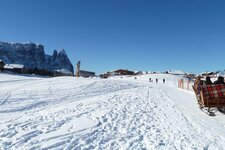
x=105 y=35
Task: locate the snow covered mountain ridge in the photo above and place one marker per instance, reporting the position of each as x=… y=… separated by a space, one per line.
x=33 y=56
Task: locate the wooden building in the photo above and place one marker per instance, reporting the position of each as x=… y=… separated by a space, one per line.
x=62 y=72
x=121 y=72
x=2 y=64
x=83 y=73
x=15 y=68
x=118 y=72
x=105 y=75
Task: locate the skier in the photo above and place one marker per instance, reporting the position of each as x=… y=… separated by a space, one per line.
x=156 y=80
x=164 y=80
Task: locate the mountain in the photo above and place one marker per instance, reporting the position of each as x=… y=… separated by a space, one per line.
x=221 y=73
x=33 y=56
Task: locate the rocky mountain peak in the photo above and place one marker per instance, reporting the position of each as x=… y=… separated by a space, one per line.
x=33 y=56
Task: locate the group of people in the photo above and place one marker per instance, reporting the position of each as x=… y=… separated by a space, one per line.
x=156 y=80
x=208 y=81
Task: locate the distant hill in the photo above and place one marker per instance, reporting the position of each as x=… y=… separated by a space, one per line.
x=33 y=56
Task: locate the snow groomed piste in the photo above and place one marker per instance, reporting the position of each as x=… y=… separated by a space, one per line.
x=116 y=113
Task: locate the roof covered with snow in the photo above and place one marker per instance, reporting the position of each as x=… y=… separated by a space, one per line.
x=178 y=72
x=12 y=66
x=64 y=71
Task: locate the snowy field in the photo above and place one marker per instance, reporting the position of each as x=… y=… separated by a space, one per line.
x=117 y=113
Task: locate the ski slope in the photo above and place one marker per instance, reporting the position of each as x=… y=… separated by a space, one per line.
x=116 y=113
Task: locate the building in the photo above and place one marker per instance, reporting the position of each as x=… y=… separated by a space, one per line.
x=118 y=72
x=191 y=75
x=15 y=68
x=104 y=75
x=121 y=72
x=138 y=73
x=176 y=72
x=62 y=72
x=83 y=73
x=2 y=64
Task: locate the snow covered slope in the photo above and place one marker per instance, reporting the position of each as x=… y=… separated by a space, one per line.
x=77 y=113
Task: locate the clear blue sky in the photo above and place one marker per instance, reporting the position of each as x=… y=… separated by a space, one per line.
x=105 y=35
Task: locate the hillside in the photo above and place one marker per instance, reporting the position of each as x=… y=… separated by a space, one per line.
x=116 y=113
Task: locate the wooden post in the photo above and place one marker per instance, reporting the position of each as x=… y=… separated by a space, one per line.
x=188 y=84
x=178 y=83
x=182 y=84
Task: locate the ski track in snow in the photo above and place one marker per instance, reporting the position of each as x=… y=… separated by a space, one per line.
x=70 y=113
